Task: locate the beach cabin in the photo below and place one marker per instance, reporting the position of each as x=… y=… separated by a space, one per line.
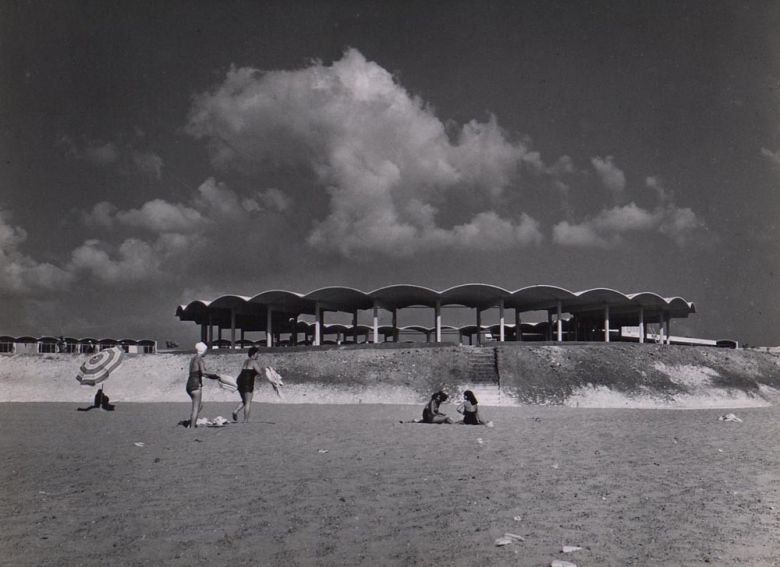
x=130 y=346
x=147 y=346
x=26 y=345
x=47 y=344
x=103 y=344
x=70 y=345
x=7 y=345
x=87 y=346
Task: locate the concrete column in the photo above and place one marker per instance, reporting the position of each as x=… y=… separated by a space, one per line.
x=518 y=327
x=501 y=321
x=668 y=331
x=559 y=322
x=354 y=326
x=294 y=333
x=606 y=323
x=376 y=323
x=437 y=321
x=211 y=333
x=232 y=328
x=548 y=332
x=203 y=333
x=395 y=325
x=479 y=327
x=317 y=324
x=219 y=332
x=641 y=324
x=269 y=337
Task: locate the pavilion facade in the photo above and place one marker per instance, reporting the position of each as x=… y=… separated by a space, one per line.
x=592 y=314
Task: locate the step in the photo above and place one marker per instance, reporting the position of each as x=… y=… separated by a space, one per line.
x=487 y=395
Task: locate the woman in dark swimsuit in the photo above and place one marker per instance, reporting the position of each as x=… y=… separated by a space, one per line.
x=470 y=410
x=431 y=413
x=195 y=382
x=246 y=384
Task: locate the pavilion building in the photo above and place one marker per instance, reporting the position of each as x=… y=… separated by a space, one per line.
x=590 y=315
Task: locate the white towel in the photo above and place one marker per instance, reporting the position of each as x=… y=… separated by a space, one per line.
x=227 y=382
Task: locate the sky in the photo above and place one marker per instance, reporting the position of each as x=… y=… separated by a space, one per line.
x=156 y=153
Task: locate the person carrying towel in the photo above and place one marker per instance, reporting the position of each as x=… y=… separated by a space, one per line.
x=246 y=384
x=195 y=381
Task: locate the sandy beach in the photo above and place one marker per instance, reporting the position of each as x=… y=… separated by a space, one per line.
x=350 y=485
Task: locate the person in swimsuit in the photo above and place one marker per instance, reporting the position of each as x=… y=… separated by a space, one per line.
x=195 y=382
x=246 y=383
x=431 y=413
x=470 y=411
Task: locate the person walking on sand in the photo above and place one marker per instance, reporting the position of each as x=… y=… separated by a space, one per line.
x=431 y=413
x=470 y=411
x=246 y=383
x=195 y=382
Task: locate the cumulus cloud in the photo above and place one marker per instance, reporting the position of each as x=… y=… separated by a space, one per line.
x=611 y=176
x=488 y=231
x=269 y=200
x=773 y=157
x=148 y=163
x=582 y=235
x=607 y=228
x=160 y=216
x=381 y=153
x=133 y=261
x=19 y=273
x=100 y=215
x=127 y=158
x=101 y=154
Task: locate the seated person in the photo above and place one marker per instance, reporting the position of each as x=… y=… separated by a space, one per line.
x=470 y=410
x=431 y=413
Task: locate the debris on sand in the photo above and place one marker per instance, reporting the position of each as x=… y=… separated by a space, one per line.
x=508 y=538
x=570 y=548
x=730 y=417
x=559 y=563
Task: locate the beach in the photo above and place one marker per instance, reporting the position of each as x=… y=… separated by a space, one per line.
x=350 y=485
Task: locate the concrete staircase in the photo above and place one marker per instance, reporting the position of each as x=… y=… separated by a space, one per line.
x=484 y=378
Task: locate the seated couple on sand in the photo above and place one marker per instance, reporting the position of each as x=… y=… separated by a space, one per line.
x=469 y=409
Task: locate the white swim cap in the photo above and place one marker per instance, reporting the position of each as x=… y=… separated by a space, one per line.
x=201 y=347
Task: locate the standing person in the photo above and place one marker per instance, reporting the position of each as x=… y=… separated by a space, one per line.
x=470 y=411
x=431 y=413
x=246 y=384
x=195 y=382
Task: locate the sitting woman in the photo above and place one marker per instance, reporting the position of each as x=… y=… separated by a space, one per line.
x=431 y=413
x=470 y=410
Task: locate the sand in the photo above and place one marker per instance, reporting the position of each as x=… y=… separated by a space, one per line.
x=632 y=487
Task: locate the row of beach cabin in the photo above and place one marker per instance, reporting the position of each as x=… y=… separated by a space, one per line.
x=42 y=345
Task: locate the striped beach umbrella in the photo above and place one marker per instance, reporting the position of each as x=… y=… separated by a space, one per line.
x=99 y=366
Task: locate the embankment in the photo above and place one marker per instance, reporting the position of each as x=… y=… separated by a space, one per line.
x=575 y=374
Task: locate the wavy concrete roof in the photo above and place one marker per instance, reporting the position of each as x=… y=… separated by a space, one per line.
x=475 y=295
